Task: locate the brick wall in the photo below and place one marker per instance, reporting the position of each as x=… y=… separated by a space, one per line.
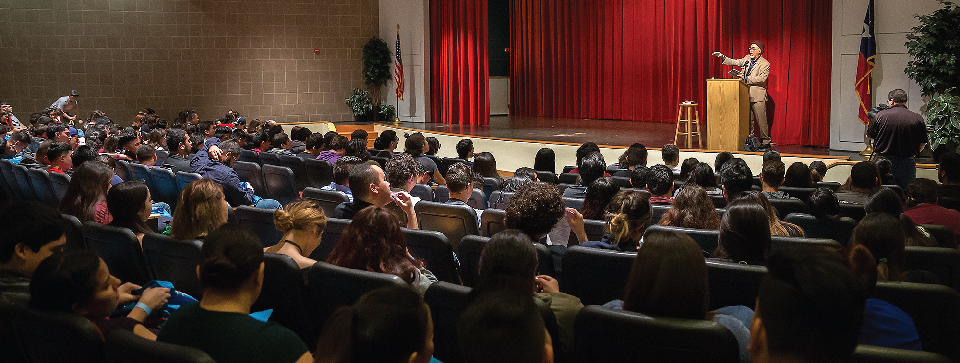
x=256 y=57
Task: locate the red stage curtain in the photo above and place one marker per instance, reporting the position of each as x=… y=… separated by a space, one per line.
x=638 y=59
x=459 y=39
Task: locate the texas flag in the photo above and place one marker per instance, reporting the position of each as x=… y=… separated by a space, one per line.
x=868 y=53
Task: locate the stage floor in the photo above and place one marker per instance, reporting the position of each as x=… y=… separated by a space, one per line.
x=603 y=132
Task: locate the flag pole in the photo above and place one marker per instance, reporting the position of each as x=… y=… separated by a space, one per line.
x=396 y=111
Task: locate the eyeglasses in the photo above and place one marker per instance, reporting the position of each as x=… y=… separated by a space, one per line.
x=753 y=48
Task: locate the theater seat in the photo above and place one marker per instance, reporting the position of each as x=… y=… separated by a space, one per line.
x=446 y=301
x=935 y=310
x=329 y=238
x=469 y=255
x=944 y=236
x=183 y=179
x=612 y=336
x=733 y=283
x=124 y=346
x=319 y=172
x=436 y=252
x=873 y=354
x=330 y=287
x=454 y=221
x=280 y=183
x=166 y=183
x=838 y=230
x=327 y=199
x=284 y=291
x=299 y=170
x=595 y=275
x=253 y=174
x=260 y=222
x=40 y=181
x=120 y=249
x=48 y=336
x=174 y=260
x=942 y=262
x=492 y=222
x=706 y=238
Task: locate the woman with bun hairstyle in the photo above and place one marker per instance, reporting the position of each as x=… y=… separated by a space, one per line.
x=231 y=274
x=627 y=217
x=201 y=208
x=301 y=222
x=79 y=282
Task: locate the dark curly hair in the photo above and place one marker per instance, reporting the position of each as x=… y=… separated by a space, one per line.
x=691 y=208
x=534 y=209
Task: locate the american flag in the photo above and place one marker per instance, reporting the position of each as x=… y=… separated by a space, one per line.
x=398 y=72
x=865 y=64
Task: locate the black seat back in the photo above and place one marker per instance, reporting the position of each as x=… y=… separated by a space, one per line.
x=622 y=181
x=471 y=247
x=327 y=199
x=854 y=211
x=284 y=291
x=74 y=234
x=787 y=206
x=124 y=346
x=436 y=252
x=330 y=287
x=260 y=222
x=706 y=238
x=838 y=230
x=595 y=275
x=23 y=180
x=166 y=184
x=492 y=221
x=49 y=336
x=943 y=262
x=7 y=171
x=944 y=236
x=454 y=221
x=575 y=203
x=499 y=199
x=446 y=301
x=59 y=183
x=778 y=242
x=874 y=354
x=120 y=249
x=174 y=260
x=547 y=177
x=733 y=283
x=441 y=194
x=331 y=235
x=280 y=183
x=299 y=169
x=319 y=172
x=40 y=181
x=142 y=172
x=123 y=171
x=249 y=156
x=186 y=178
x=568 y=178
x=422 y=191
x=253 y=174
x=799 y=193
x=162 y=156
x=935 y=310
x=654 y=339
x=381 y=161
x=269 y=158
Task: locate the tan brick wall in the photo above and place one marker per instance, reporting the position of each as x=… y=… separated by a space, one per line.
x=255 y=57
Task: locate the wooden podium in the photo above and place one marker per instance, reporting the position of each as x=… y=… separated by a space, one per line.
x=728 y=114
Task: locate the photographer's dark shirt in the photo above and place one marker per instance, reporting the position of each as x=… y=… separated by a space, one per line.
x=898 y=132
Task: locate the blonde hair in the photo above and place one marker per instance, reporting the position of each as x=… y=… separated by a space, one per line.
x=299 y=214
x=199 y=210
x=628 y=212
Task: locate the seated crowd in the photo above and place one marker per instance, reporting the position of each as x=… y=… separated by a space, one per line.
x=814 y=304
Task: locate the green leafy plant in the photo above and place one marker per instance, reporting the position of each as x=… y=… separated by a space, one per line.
x=943 y=118
x=376 y=66
x=388 y=112
x=935 y=48
x=359 y=102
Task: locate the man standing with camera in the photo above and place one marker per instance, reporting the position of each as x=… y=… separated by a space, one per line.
x=899 y=135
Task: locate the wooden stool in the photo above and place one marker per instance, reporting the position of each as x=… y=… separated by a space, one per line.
x=692 y=119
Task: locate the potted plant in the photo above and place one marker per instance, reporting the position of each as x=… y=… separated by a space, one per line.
x=935 y=48
x=387 y=112
x=376 y=70
x=360 y=103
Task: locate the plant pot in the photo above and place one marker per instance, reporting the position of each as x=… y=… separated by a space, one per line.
x=361 y=118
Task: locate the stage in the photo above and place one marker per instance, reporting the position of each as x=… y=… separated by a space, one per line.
x=603 y=132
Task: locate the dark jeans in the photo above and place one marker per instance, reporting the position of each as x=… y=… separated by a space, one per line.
x=904 y=170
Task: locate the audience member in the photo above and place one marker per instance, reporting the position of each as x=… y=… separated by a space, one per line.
x=280 y=144
x=638 y=177
x=797 y=176
x=634 y=156
x=510 y=260
x=660 y=184
x=370 y=188
x=231 y=273
x=416 y=145
x=771 y=177
x=465 y=151
x=691 y=208
x=460 y=184
x=546 y=161
x=31 y=232
x=669 y=279
x=824 y=206
x=687 y=166
x=86 y=194
x=809 y=309
x=387 y=140
x=486 y=165
x=744 y=234
x=735 y=178
x=129 y=204
x=591 y=167
x=178 y=142
x=298 y=139
x=885 y=170
x=82 y=154
x=357 y=148
x=260 y=142
x=386 y=325
x=598 y=195
x=503 y=325
x=771 y=155
x=627 y=217
x=702 y=175
x=334 y=150
x=884 y=325
x=19 y=148
x=301 y=223
x=313 y=146
x=948 y=172
x=534 y=209
x=147 y=155
x=201 y=208
x=586 y=149
x=128 y=144
x=881 y=234
x=374 y=242
x=60 y=159
x=79 y=282
x=402 y=171
x=885 y=200
x=863 y=178
x=820 y=167
x=922 y=198
x=215 y=161
x=722 y=158
x=671 y=157
x=777 y=227
x=433 y=146
x=359 y=134
x=341 y=175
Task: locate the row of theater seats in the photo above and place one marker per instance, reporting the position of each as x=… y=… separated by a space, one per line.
x=22 y=183
x=596 y=276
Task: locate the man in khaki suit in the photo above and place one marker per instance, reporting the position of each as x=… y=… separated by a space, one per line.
x=756 y=69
